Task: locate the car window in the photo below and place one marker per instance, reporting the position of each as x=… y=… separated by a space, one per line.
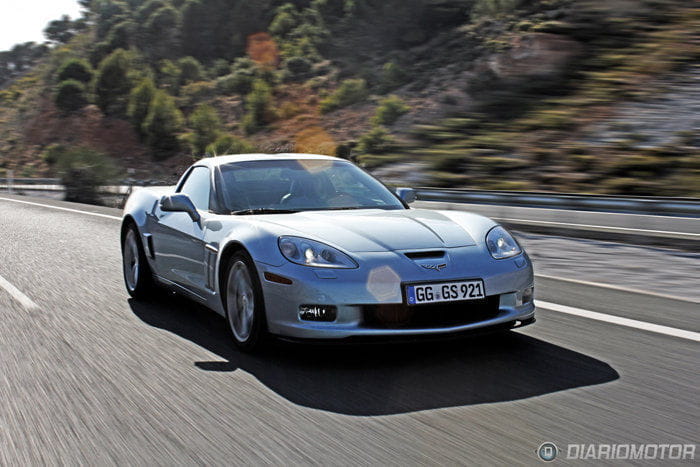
x=305 y=184
x=198 y=186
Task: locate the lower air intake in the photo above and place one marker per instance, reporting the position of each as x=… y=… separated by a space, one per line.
x=437 y=315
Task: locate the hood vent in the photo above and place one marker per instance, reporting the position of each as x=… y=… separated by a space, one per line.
x=425 y=254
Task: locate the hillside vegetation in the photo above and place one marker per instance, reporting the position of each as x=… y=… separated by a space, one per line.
x=557 y=95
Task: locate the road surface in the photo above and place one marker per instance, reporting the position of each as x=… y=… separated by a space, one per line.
x=90 y=376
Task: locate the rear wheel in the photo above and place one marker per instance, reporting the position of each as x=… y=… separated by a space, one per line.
x=137 y=273
x=245 y=311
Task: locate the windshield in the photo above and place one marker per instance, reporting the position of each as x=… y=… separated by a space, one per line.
x=251 y=187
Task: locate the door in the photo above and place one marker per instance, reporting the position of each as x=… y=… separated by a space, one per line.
x=178 y=241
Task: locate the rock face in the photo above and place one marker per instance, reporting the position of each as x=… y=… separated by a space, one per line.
x=533 y=55
x=665 y=119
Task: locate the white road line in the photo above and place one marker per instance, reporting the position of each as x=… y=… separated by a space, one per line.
x=600 y=227
x=96 y=214
x=25 y=301
x=617 y=287
x=630 y=323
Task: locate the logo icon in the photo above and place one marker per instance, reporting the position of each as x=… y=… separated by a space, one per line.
x=547 y=452
x=435 y=267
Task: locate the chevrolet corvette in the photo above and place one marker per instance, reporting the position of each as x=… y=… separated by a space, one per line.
x=313 y=247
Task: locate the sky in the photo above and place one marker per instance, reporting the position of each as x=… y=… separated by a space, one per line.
x=25 y=20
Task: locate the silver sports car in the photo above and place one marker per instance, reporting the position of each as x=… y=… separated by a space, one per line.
x=313 y=247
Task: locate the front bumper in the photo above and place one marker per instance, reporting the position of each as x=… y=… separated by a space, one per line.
x=379 y=282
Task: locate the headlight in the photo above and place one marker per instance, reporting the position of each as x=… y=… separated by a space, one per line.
x=312 y=253
x=501 y=244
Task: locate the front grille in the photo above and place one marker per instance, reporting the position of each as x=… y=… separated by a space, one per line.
x=437 y=315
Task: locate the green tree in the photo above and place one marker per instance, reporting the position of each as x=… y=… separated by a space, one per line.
x=70 y=96
x=285 y=20
x=62 y=30
x=77 y=69
x=120 y=36
x=107 y=14
x=162 y=125
x=259 y=106
x=140 y=100
x=206 y=125
x=198 y=30
x=113 y=85
x=148 y=7
x=160 y=36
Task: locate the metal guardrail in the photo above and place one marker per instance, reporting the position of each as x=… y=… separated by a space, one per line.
x=600 y=203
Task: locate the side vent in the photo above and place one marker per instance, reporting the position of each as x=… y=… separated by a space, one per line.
x=149 y=244
x=210 y=254
x=425 y=254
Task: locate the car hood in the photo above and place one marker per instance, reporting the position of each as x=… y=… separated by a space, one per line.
x=373 y=230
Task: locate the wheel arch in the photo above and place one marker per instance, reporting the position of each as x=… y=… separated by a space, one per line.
x=230 y=249
x=127 y=222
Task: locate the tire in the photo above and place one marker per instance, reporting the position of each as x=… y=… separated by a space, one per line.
x=243 y=301
x=137 y=273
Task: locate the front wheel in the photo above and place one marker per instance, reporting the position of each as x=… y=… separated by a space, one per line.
x=137 y=274
x=245 y=311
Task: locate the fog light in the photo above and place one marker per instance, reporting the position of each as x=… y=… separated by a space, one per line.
x=318 y=312
x=528 y=295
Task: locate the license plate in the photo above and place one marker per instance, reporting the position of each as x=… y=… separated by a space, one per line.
x=445 y=292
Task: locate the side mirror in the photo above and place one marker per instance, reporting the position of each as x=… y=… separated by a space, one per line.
x=179 y=203
x=407 y=195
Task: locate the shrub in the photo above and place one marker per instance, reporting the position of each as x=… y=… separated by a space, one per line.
x=190 y=70
x=76 y=69
x=162 y=125
x=169 y=75
x=52 y=153
x=349 y=92
x=70 y=96
x=140 y=100
x=219 y=68
x=389 y=110
x=288 y=110
x=297 y=67
x=227 y=144
x=392 y=77
x=259 y=106
x=376 y=141
x=238 y=82
x=206 y=125
x=82 y=172
x=194 y=93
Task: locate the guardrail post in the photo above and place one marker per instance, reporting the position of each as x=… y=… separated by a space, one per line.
x=10 y=179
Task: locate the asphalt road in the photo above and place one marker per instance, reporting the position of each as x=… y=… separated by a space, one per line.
x=92 y=377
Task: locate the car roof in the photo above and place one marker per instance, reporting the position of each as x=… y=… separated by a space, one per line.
x=220 y=160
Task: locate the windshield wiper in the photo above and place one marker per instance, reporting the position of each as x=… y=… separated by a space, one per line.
x=262 y=211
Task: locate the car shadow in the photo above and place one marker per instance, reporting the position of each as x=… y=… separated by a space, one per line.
x=383 y=379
